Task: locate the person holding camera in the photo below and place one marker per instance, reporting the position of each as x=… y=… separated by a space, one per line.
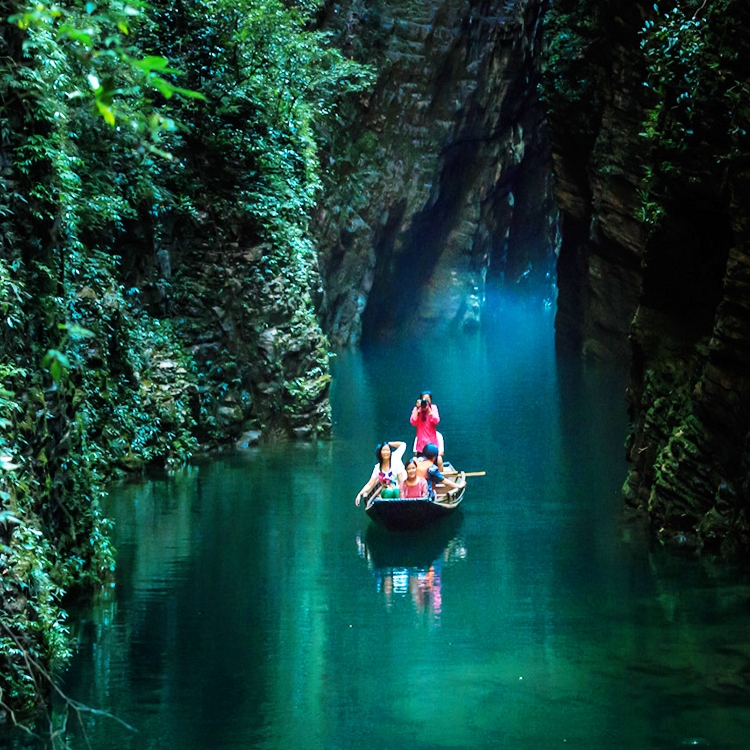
x=425 y=417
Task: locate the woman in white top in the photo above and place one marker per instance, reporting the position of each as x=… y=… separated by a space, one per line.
x=389 y=471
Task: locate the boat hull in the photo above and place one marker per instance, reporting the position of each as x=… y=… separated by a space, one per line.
x=413 y=513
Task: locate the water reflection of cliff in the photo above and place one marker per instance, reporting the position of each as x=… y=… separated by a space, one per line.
x=410 y=564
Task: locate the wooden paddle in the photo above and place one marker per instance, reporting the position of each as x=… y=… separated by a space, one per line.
x=372 y=494
x=474 y=473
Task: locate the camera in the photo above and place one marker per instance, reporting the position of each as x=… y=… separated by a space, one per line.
x=424 y=403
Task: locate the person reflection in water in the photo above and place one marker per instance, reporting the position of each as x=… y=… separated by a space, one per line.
x=422 y=585
x=426 y=417
x=413 y=485
x=389 y=471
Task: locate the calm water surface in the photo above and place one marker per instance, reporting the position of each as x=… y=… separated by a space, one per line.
x=257 y=607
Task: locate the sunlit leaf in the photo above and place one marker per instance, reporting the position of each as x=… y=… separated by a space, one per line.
x=188 y=93
x=77 y=35
x=152 y=62
x=57 y=363
x=165 y=88
x=75 y=330
x=106 y=112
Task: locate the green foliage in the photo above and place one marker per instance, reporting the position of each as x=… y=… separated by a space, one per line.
x=270 y=79
x=78 y=160
x=699 y=95
x=32 y=575
x=571 y=85
x=88 y=42
x=57 y=362
x=108 y=156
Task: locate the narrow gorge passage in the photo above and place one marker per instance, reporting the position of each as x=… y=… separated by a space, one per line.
x=257 y=607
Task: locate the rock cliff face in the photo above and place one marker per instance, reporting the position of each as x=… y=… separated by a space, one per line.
x=450 y=150
x=671 y=297
x=249 y=325
x=596 y=164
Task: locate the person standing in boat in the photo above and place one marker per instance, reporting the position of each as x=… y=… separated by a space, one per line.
x=388 y=471
x=426 y=417
x=427 y=469
x=413 y=485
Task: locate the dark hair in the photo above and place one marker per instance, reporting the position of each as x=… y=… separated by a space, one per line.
x=430 y=451
x=378 y=450
x=425 y=393
x=412 y=460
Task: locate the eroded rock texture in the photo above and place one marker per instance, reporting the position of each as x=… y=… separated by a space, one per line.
x=674 y=300
x=247 y=320
x=596 y=153
x=444 y=178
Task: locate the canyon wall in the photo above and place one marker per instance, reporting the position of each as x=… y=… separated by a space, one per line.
x=443 y=179
x=652 y=180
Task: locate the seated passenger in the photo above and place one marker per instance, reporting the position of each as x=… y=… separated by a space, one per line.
x=388 y=471
x=413 y=485
x=441 y=448
x=427 y=469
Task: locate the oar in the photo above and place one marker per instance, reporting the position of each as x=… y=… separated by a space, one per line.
x=371 y=497
x=474 y=473
x=372 y=494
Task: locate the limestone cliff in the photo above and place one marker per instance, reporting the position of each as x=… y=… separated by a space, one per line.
x=248 y=323
x=443 y=181
x=653 y=265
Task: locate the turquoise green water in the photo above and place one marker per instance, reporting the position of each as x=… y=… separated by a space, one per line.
x=256 y=607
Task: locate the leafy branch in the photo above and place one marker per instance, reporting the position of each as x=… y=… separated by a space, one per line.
x=37 y=672
x=56 y=361
x=698 y=94
x=108 y=72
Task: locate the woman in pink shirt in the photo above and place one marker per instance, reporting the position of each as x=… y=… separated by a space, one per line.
x=425 y=417
x=413 y=485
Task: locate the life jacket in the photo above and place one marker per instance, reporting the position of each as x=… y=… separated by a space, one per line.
x=423 y=467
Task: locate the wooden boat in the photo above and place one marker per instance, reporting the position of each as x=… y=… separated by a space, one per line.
x=413 y=513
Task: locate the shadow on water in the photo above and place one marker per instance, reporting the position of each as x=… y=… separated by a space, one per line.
x=414 y=549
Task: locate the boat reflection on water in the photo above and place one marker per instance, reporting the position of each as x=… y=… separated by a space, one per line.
x=409 y=564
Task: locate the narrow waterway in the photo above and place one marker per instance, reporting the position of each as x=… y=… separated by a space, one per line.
x=256 y=607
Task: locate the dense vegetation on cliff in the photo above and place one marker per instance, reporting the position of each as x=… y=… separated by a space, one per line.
x=157 y=281
x=648 y=107
x=159 y=168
